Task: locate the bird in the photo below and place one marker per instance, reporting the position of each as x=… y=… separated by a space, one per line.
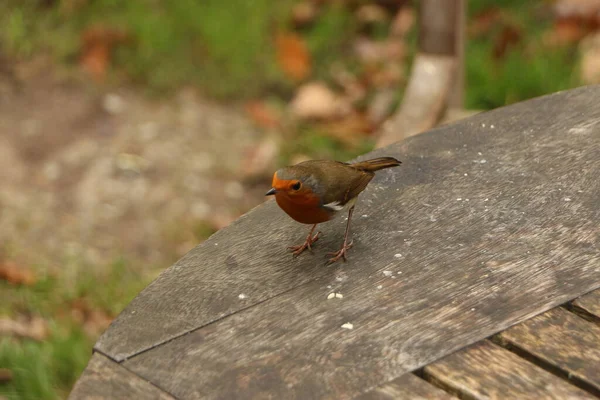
x=315 y=191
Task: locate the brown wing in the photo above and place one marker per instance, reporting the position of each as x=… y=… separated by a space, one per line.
x=346 y=185
x=335 y=182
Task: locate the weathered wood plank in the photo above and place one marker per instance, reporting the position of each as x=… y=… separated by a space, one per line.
x=590 y=303
x=490 y=220
x=407 y=387
x=563 y=340
x=487 y=371
x=105 y=379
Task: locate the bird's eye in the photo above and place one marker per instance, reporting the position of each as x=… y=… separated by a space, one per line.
x=296 y=186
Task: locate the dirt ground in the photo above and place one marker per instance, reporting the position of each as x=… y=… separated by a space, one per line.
x=88 y=175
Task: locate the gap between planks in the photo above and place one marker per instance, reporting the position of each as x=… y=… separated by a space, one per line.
x=546 y=365
x=526 y=356
x=581 y=313
x=214 y=321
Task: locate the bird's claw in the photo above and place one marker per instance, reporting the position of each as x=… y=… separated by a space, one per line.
x=297 y=250
x=341 y=253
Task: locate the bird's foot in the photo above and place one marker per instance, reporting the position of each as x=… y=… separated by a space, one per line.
x=341 y=253
x=296 y=250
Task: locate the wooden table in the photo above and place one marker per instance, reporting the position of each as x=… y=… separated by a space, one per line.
x=460 y=282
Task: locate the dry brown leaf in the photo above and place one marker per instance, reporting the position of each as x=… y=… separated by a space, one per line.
x=567 y=31
x=69 y=7
x=33 y=328
x=403 y=22
x=16 y=274
x=371 y=52
x=316 y=101
x=349 y=130
x=354 y=88
x=575 y=19
x=293 y=56
x=263 y=115
x=97 y=321
x=94 y=321
x=590 y=60
x=508 y=37
x=371 y=13
x=97 y=45
x=387 y=75
x=6 y=375
x=586 y=9
x=484 y=21
x=304 y=13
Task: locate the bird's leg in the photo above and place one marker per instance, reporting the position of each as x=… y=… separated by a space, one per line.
x=341 y=253
x=310 y=239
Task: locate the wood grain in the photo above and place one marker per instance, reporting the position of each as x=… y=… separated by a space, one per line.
x=407 y=387
x=105 y=379
x=490 y=221
x=561 y=339
x=487 y=371
x=589 y=302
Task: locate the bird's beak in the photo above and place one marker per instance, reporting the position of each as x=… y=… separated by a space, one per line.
x=271 y=192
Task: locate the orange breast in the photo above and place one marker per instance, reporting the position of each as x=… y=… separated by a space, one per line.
x=306 y=211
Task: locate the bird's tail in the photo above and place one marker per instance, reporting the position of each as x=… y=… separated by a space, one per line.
x=376 y=164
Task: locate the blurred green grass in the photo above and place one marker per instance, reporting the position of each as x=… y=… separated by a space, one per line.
x=226 y=49
x=47 y=369
x=529 y=69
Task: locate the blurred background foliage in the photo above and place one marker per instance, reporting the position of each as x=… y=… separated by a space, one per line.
x=319 y=76
x=230 y=49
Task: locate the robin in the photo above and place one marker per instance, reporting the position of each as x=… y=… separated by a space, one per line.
x=314 y=191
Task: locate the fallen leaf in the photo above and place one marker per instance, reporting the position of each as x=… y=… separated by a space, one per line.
x=113 y=104
x=566 y=31
x=94 y=321
x=293 y=56
x=69 y=7
x=33 y=328
x=263 y=115
x=304 y=13
x=6 y=375
x=371 y=13
x=574 y=19
x=587 y=9
x=395 y=50
x=350 y=130
x=97 y=45
x=17 y=274
x=508 y=37
x=387 y=75
x=403 y=22
x=369 y=51
x=590 y=60
x=316 y=101
x=484 y=21
x=354 y=88
x=97 y=321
